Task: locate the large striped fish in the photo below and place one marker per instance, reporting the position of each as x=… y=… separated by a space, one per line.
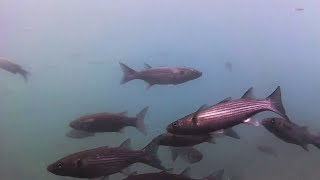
x=227 y=113
x=103 y=161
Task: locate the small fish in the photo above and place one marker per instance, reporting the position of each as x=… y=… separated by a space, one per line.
x=77 y=134
x=177 y=140
x=268 y=150
x=160 y=75
x=104 y=161
x=165 y=175
x=227 y=113
x=299 y=9
x=228 y=66
x=109 y=122
x=188 y=154
x=291 y=133
x=12 y=67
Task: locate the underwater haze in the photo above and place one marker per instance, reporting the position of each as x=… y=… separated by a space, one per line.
x=73 y=48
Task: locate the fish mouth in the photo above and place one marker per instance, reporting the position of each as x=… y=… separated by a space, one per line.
x=72 y=124
x=50 y=168
x=199 y=74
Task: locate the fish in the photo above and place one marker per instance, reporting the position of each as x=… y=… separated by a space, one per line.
x=13 y=67
x=109 y=122
x=268 y=150
x=103 y=161
x=290 y=132
x=228 y=66
x=188 y=154
x=299 y=9
x=228 y=113
x=77 y=134
x=169 y=75
x=217 y=175
x=177 y=140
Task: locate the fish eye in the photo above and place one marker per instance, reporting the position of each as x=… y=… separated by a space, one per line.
x=182 y=72
x=273 y=120
x=60 y=165
x=175 y=124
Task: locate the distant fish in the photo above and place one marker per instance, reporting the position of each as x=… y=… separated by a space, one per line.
x=76 y=134
x=96 y=62
x=53 y=66
x=268 y=150
x=228 y=66
x=299 y=9
x=160 y=75
x=109 y=122
x=291 y=132
x=188 y=154
x=227 y=113
x=165 y=175
x=28 y=28
x=176 y=140
x=12 y=67
x=104 y=161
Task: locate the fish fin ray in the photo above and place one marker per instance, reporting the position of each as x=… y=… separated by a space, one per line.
x=140 y=120
x=225 y=100
x=248 y=94
x=128 y=73
x=126 y=144
x=147 y=66
x=276 y=103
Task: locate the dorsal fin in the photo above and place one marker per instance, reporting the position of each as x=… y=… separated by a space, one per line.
x=126 y=144
x=147 y=66
x=248 y=94
x=124 y=113
x=225 y=100
x=194 y=118
x=186 y=172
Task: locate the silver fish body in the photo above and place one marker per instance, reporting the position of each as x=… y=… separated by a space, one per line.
x=160 y=75
x=227 y=114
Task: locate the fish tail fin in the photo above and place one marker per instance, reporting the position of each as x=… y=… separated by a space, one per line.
x=151 y=156
x=140 y=120
x=174 y=154
x=128 y=73
x=25 y=74
x=276 y=103
x=217 y=175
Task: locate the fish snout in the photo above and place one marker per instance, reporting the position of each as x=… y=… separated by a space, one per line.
x=50 y=168
x=73 y=124
x=198 y=73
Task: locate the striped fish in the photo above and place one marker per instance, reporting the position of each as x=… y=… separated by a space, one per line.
x=228 y=113
x=103 y=161
x=160 y=75
x=164 y=175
